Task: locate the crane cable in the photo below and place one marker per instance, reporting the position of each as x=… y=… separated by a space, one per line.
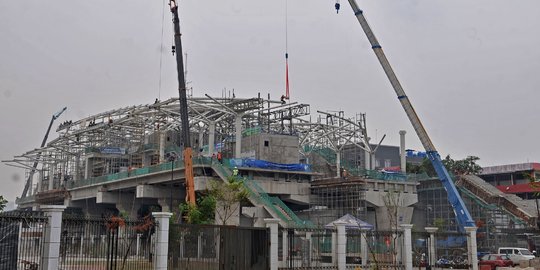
x=286 y=54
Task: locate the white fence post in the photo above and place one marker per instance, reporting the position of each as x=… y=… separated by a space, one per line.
x=51 y=241
x=472 y=248
x=341 y=245
x=432 y=256
x=364 y=246
x=162 y=240
x=407 y=245
x=273 y=223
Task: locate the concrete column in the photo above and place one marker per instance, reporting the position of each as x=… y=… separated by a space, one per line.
x=238 y=136
x=51 y=177
x=273 y=224
x=341 y=245
x=162 y=240
x=338 y=163
x=310 y=246
x=472 y=248
x=201 y=139
x=211 y=137
x=364 y=247
x=162 y=136
x=407 y=245
x=402 y=150
x=367 y=156
x=432 y=256
x=284 y=246
x=51 y=241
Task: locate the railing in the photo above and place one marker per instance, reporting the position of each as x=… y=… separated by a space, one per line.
x=330 y=156
x=106 y=243
x=22 y=239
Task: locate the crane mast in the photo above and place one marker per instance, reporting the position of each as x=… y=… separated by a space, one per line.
x=188 y=152
x=462 y=214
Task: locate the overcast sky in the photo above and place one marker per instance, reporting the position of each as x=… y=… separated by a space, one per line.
x=470 y=68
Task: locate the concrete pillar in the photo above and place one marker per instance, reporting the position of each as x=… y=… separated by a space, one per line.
x=407 y=245
x=51 y=177
x=402 y=151
x=238 y=136
x=273 y=224
x=284 y=246
x=367 y=156
x=341 y=245
x=51 y=241
x=162 y=136
x=211 y=137
x=364 y=247
x=338 y=163
x=201 y=140
x=162 y=240
x=472 y=248
x=432 y=256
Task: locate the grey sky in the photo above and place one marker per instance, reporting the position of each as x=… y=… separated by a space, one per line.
x=470 y=68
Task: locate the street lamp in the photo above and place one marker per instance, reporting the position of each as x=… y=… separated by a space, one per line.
x=172 y=158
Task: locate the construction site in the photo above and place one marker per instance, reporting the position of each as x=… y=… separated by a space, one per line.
x=129 y=160
x=304 y=167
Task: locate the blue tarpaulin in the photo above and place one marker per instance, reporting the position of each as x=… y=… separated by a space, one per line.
x=263 y=164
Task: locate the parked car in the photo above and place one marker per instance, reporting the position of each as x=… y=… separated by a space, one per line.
x=516 y=254
x=496 y=260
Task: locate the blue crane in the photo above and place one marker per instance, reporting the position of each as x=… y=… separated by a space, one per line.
x=460 y=210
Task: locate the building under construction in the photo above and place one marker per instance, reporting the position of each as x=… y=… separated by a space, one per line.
x=301 y=167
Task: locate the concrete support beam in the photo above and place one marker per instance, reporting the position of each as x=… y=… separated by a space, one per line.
x=106 y=197
x=238 y=136
x=162 y=137
x=211 y=137
x=149 y=191
x=338 y=163
x=273 y=224
x=364 y=247
x=402 y=151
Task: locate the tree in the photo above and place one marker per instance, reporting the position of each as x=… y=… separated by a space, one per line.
x=457 y=167
x=200 y=213
x=3 y=203
x=228 y=197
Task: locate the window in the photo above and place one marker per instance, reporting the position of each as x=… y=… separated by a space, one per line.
x=266 y=143
x=387 y=163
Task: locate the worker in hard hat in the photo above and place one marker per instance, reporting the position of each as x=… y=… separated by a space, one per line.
x=235 y=171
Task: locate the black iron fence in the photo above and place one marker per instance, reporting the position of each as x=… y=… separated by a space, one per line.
x=307 y=248
x=210 y=247
x=106 y=243
x=450 y=250
x=21 y=239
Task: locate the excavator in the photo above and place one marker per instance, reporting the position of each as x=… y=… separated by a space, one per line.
x=460 y=210
x=188 y=152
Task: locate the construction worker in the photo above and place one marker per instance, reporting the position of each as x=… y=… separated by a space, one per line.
x=235 y=171
x=220 y=157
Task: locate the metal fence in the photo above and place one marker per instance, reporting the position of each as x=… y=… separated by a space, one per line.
x=315 y=248
x=106 y=243
x=306 y=248
x=21 y=239
x=210 y=247
x=450 y=250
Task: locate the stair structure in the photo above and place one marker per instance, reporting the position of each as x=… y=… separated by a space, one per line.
x=258 y=197
x=522 y=209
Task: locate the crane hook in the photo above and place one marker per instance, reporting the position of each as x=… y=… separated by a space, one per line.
x=337 y=6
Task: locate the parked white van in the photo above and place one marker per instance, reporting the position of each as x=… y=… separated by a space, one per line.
x=516 y=254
